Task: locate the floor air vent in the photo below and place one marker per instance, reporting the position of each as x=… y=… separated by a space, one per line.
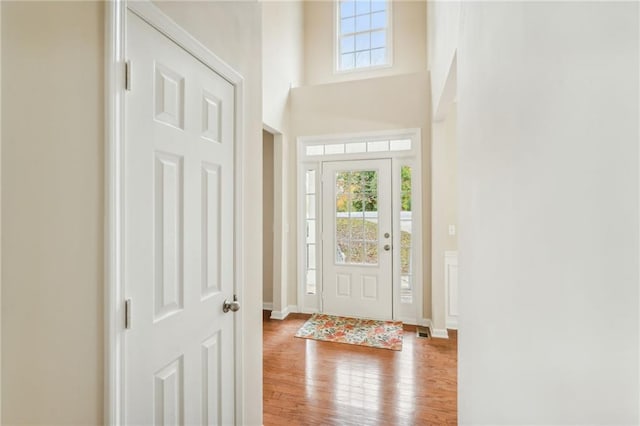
x=423 y=332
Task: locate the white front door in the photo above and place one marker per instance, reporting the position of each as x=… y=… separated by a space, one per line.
x=178 y=221
x=356 y=228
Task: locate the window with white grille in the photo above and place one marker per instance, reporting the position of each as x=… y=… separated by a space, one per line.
x=364 y=34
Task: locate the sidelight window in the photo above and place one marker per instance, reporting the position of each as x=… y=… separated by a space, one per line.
x=406 y=240
x=311 y=221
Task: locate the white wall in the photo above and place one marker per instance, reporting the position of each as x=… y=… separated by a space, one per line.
x=443 y=29
x=409 y=42
x=52 y=212
x=548 y=213
x=394 y=102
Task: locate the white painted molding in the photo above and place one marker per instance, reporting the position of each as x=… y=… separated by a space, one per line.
x=267 y=306
x=439 y=333
x=451 y=289
x=280 y=315
x=113 y=232
x=424 y=322
x=435 y=332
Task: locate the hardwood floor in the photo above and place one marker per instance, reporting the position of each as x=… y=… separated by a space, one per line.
x=307 y=382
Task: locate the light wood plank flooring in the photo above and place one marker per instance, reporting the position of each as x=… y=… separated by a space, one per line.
x=307 y=382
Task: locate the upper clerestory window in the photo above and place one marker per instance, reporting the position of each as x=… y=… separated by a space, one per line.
x=364 y=34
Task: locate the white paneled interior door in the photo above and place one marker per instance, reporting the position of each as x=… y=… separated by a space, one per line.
x=178 y=245
x=357 y=241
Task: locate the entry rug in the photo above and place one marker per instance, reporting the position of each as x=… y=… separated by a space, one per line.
x=354 y=331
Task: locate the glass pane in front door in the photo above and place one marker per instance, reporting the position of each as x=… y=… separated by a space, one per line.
x=356 y=217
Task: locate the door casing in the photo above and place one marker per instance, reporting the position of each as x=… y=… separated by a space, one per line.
x=115 y=39
x=413 y=157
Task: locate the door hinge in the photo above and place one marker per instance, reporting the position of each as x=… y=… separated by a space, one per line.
x=127 y=314
x=127 y=76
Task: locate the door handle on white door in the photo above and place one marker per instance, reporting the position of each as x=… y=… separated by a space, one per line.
x=231 y=306
x=387 y=247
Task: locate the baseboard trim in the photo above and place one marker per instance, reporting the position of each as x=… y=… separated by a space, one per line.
x=452 y=323
x=424 y=322
x=267 y=306
x=439 y=333
x=280 y=315
x=435 y=332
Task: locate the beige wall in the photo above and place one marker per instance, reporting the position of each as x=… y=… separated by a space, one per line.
x=52 y=189
x=282 y=69
x=282 y=38
x=394 y=102
x=267 y=217
x=409 y=42
x=444 y=195
x=0 y=214
x=233 y=30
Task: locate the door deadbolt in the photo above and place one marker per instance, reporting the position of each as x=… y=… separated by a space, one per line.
x=387 y=235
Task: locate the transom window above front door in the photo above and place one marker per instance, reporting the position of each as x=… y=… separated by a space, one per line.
x=363 y=34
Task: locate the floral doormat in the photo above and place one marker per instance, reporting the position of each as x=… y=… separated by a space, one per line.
x=354 y=331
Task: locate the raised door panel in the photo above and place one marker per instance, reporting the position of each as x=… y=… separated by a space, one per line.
x=168 y=239
x=211 y=235
x=169 y=395
x=212 y=380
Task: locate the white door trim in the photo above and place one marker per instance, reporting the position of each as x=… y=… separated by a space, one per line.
x=410 y=157
x=115 y=38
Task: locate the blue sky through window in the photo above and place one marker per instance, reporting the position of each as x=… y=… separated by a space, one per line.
x=362 y=34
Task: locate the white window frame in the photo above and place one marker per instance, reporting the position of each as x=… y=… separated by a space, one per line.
x=312 y=303
x=336 y=42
